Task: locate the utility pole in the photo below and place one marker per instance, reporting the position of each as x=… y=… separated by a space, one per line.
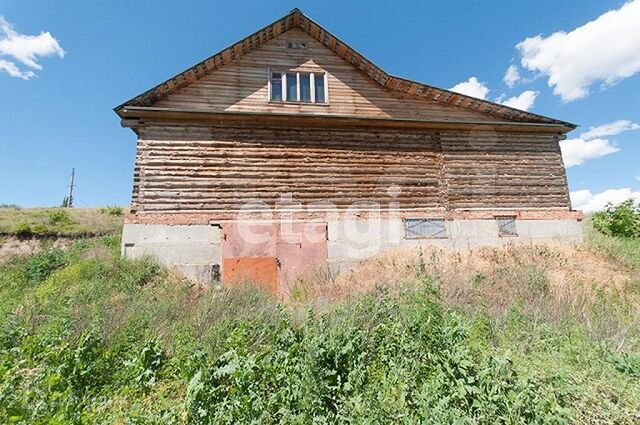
x=70 y=199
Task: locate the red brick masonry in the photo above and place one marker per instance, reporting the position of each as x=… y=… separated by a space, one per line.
x=187 y=218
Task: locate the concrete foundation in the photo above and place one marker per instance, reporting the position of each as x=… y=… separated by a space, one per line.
x=347 y=246
x=196 y=250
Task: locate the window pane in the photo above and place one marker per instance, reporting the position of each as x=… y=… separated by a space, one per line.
x=319 y=81
x=507 y=226
x=292 y=87
x=305 y=87
x=276 y=87
x=425 y=228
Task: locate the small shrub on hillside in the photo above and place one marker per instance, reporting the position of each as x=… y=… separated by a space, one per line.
x=146 y=365
x=39 y=266
x=621 y=220
x=59 y=217
x=23 y=230
x=115 y=210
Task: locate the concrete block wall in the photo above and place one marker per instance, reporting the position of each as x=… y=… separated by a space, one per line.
x=349 y=242
x=195 y=250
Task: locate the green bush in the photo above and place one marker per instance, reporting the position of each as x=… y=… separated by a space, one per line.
x=115 y=210
x=621 y=220
x=39 y=266
x=59 y=217
x=23 y=230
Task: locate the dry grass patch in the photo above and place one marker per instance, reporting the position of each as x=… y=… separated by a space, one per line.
x=556 y=282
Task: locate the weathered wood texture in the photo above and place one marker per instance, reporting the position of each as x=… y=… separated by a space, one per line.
x=242 y=86
x=183 y=168
x=297 y=22
x=503 y=170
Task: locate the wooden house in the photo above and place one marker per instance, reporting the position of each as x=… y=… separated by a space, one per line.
x=327 y=159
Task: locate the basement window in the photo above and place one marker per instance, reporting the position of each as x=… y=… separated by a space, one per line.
x=419 y=228
x=507 y=226
x=298 y=87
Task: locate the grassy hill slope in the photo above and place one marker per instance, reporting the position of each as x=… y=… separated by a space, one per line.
x=70 y=222
x=545 y=334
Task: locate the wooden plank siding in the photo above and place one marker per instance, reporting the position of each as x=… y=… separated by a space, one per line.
x=191 y=167
x=297 y=22
x=241 y=86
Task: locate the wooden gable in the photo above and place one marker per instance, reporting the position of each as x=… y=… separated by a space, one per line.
x=235 y=80
x=241 y=86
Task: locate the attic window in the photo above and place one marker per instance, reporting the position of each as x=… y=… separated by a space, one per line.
x=299 y=87
x=296 y=45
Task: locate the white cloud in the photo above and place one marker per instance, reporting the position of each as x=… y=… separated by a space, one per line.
x=605 y=50
x=524 y=101
x=25 y=49
x=471 y=87
x=588 y=202
x=512 y=76
x=610 y=129
x=577 y=151
x=592 y=144
x=11 y=69
x=637 y=178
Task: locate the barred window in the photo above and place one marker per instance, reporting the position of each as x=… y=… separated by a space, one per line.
x=418 y=228
x=507 y=226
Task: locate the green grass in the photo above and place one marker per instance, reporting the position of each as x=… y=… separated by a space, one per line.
x=89 y=337
x=624 y=251
x=71 y=222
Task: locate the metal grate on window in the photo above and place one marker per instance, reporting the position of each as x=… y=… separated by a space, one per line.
x=507 y=226
x=416 y=228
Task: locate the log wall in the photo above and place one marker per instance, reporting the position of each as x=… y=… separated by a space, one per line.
x=196 y=168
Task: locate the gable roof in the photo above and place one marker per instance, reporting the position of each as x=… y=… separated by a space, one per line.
x=296 y=19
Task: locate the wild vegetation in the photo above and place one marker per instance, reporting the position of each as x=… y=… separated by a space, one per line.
x=522 y=334
x=69 y=222
x=621 y=220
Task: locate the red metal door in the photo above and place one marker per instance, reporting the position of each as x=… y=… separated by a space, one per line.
x=272 y=255
x=301 y=248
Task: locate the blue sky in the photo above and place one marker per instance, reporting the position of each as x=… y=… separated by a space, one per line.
x=61 y=116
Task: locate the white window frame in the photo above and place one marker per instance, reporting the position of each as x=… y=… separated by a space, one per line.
x=312 y=82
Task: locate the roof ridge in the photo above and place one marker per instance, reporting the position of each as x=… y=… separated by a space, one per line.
x=297 y=19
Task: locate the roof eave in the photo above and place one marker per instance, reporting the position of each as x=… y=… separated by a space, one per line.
x=142 y=113
x=296 y=19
